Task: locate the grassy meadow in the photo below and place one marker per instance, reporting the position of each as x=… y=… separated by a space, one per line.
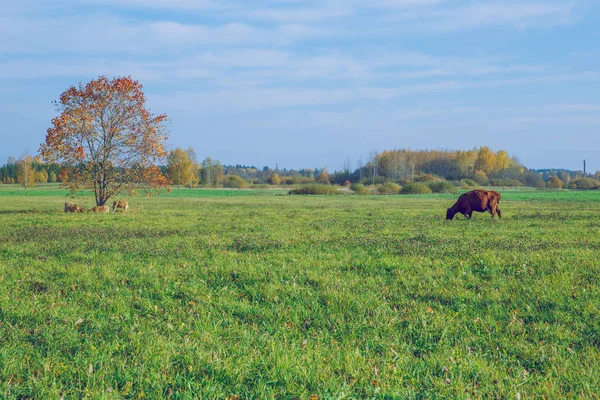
x=254 y=293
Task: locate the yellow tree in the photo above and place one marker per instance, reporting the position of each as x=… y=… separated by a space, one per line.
x=486 y=160
x=26 y=172
x=323 y=177
x=274 y=179
x=41 y=176
x=502 y=161
x=107 y=140
x=181 y=167
x=554 y=183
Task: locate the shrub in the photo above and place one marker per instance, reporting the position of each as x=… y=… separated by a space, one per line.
x=586 y=183
x=427 y=178
x=323 y=178
x=315 y=189
x=301 y=180
x=235 y=181
x=554 y=183
x=377 y=181
x=480 y=177
x=359 y=188
x=388 y=188
x=468 y=182
x=442 y=187
x=286 y=180
x=506 y=182
x=416 y=188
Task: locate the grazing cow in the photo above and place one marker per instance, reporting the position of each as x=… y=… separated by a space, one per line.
x=476 y=200
x=99 y=209
x=120 y=204
x=72 y=208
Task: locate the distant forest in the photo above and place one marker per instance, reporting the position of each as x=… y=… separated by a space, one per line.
x=475 y=167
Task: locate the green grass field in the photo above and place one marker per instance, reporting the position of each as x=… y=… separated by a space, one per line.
x=214 y=293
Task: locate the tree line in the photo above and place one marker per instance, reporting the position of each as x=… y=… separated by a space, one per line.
x=476 y=167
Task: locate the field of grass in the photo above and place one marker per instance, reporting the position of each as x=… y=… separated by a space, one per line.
x=209 y=294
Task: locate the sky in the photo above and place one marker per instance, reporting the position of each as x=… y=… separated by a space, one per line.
x=313 y=83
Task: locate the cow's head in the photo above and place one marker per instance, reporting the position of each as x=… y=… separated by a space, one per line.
x=450 y=213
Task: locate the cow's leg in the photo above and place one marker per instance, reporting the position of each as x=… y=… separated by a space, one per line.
x=469 y=214
x=499 y=213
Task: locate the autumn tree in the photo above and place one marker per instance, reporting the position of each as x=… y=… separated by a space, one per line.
x=486 y=160
x=182 y=168
x=26 y=175
x=274 y=179
x=502 y=161
x=554 y=183
x=107 y=139
x=41 y=176
x=323 y=177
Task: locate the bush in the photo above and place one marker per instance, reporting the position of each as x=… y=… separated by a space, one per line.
x=554 y=183
x=377 y=181
x=507 y=182
x=480 y=177
x=586 y=183
x=286 y=180
x=416 y=188
x=388 y=188
x=299 y=180
x=235 y=181
x=323 y=178
x=442 y=187
x=427 y=178
x=359 y=188
x=468 y=182
x=315 y=189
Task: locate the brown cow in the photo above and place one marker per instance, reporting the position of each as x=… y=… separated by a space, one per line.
x=120 y=204
x=476 y=200
x=99 y=209
x=72 y=208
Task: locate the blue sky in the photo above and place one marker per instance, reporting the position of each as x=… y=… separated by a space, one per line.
x=307 y=83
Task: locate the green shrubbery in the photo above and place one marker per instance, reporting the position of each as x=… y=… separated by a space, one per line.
x=468 y=182
x=235 y=181
x=427 y=178
x=388 y=188
x=416 y=188
x=315 y=188
x=442 y=187
x=359 y=188
x=585 y=183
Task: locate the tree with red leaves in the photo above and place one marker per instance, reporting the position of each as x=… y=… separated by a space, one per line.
x=107 y=139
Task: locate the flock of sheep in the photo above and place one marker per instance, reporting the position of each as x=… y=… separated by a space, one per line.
x=117 y=204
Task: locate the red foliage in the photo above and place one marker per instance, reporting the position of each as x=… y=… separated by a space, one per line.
x=107 y=138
